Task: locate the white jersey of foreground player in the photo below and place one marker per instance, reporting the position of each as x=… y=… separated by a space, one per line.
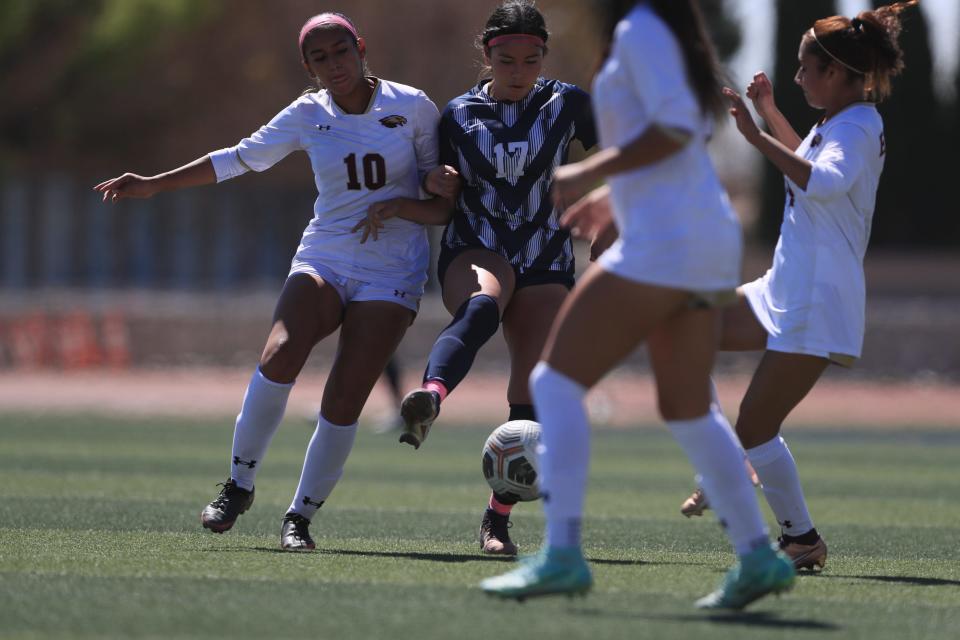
x=677 y=228
x=357 y=160
x=813 y=297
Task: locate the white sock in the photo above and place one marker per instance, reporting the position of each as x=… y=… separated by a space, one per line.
x=781 y=485
x=323 y=465
x=718 y=459
x=260 y=415
x=564 y=453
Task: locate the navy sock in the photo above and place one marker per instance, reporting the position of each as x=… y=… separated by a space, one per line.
x=452 y=355
x=522 y=412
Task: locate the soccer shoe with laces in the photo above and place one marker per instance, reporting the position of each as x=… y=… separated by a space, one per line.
x=419 y=409
x=495 y=536
x=552 y=571
x=762 y=571
x=295 y=533
x=219 y=515
x=805 y=556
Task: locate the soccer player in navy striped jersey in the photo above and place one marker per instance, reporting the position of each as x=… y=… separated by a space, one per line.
x=504 y=257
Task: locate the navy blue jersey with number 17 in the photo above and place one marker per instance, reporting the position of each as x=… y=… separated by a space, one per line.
x=507 y=153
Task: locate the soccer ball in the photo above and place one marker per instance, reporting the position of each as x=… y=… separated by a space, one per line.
x=510 y=460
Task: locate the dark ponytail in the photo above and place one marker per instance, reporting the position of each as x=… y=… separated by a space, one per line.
x=685 y=21
x=867 y=45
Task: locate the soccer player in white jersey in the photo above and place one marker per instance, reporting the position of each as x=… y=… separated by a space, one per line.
x=807 y=311
x=676 y=261
x=504 y=257
x=371 y=143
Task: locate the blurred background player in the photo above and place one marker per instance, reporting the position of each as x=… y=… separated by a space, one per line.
x=676 y=260
x=807 y=311
x=369 y=140
x=504 y=257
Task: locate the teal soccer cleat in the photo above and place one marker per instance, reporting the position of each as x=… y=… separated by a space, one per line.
x=762 y=571
x=552 y=571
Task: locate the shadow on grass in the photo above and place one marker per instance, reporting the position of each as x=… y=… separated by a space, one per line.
x=751 y=619
x=913 y=580
x=432 y=557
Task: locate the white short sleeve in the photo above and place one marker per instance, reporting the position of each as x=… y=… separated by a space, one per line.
x=266 y=147
x=839 y=163
x=653 y=59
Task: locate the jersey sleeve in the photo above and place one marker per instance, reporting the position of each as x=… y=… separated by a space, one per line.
x=426 y=135
x=448 y=150
x=264 y=148
x=840 y=162
x=653 y=60
x=585 y=127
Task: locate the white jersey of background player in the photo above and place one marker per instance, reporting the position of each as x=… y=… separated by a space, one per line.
x=676 y=225
x=808 y=310
x=357 y=160
x=812 y=298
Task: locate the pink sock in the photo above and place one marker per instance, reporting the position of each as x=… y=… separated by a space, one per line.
x=436 y=385
x=499 y=507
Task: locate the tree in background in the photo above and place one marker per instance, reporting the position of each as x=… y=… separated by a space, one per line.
x=724 y=31
x=793 y=18
x=915 y=203
x=58 y=56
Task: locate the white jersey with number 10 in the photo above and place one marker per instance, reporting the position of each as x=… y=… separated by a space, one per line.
x=357 y=160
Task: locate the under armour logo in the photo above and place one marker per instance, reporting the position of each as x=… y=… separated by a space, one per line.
x=399 y=294
x=307 y=500
x=323 y=127
x=250 y=464
x=786 y=524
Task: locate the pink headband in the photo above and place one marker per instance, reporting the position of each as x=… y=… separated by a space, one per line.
x=325 y=19
x=510 y=37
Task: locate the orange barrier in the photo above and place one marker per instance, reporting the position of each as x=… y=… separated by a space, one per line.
x=71 y=341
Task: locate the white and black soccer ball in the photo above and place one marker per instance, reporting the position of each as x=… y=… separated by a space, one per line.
x=510 y=460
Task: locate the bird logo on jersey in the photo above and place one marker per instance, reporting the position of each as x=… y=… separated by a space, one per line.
x=392 y=122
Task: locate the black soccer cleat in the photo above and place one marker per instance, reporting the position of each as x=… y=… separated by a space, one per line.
x=219 y=515
x=295 y=533
x=495 y=534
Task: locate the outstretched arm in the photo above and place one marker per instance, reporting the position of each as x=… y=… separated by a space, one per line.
x=130 y=185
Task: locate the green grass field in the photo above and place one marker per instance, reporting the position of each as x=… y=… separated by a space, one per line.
x=99 y=536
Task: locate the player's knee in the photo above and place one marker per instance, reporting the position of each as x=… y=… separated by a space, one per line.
x=283 y=358
x=481 y=314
